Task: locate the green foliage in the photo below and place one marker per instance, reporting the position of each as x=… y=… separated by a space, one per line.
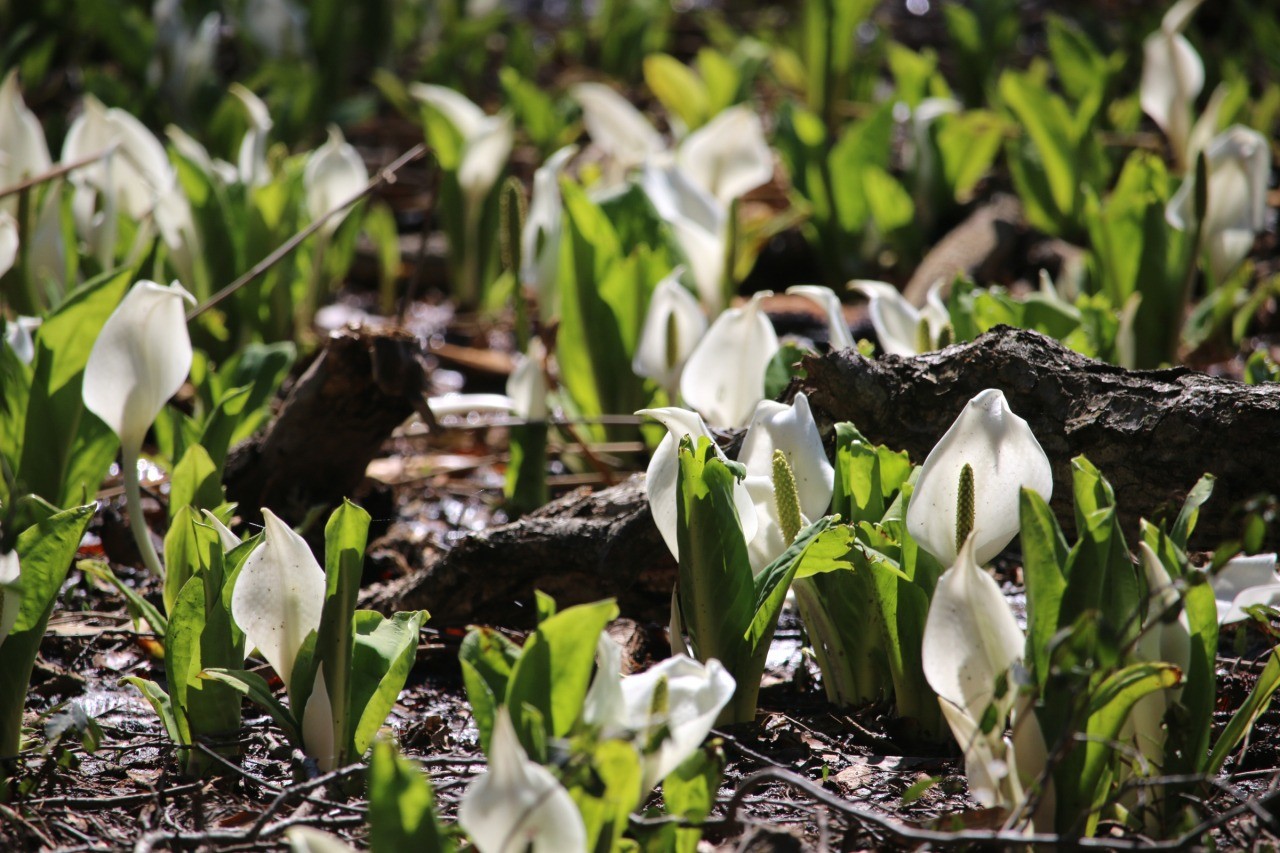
x=402 y=814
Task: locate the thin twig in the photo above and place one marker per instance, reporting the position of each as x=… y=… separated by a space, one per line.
x=56 y=172
x=385 y=175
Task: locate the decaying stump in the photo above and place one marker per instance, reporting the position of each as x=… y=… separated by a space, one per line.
x=363 y=385
x=1151 y=433
x=583 y=547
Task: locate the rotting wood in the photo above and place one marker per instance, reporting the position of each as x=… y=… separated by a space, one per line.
x=1151 y=433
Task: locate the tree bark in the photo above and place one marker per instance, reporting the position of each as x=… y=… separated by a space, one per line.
x=582 y=547
x=1152 y=433
x=364 y=384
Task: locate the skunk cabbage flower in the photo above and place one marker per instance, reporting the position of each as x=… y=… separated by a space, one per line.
x=486 y=140
x=698 y=221
x=11 y=593
x=136 y=175
x=140 y=360
x=518 y=805
x=540 y=236
x=724 y=376
x=1004 y=457
x=617 y=127
x=214 y=169
x=228 y=539
x=25 y=152
x=673 y=325
x=466 y=404
x=527 y=385
x=838 y=335
x=971 y=642
x=791 y=429
x=277 y=601
x=1244 y=582
x=662 y=476
x=334 y=175
x=728 y=156
x=902 y=328
x=1172 y=78
x=277 y=27
x=678 y=698
x=1239 y=165
x=1160 y=640
x=251 y=164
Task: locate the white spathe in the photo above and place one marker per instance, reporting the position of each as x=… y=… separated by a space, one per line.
x=838 y=335
x=468 y=404
x=191 y=149
x=1005 y=457
x=228 y=539
x=136 y=175
x=279 y=596
x=898 y=323
x=1238 y=163
x=527 y=385
x=306 y=839
x=617 y=127
x=728 y=156
x=486 y=140
x=25 y=151
x=1160 y=640
x=698 y=221
x=10 y=592
x=662 y=476
x=724 y=376
x=334 y=175
x=277 y=27
x=791 y=429
x=251 y=163
x=19 y=336
x=8 y=242
x=139 y=360
x=673 y=325
x=1172 y=78
x=1243 y=582
x=318 y=725
x=627 y=707
x=540 y=236
x=518 y=805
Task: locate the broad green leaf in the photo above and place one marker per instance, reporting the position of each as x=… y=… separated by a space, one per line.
x=45 y=552
x=1044 y=558
x=679 y=90
x=689 y=792
x=385 y=650
x=402 y=814
x=487 y=658
x=611 y=795
x=195 y=483
x=554 y=669
x=345 y=536
x=1246 y=715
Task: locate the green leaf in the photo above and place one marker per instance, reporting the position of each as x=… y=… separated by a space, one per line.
x=1186 y=520
x=487 y=658
x=66 y=449
x=689 y=792
x=1044 y=559
x=554 y=669
x=1246 y=715
x=345 y=537
x=385 y=650
x=45 y=552
x=139 y=607
x=255 y=687
x=679 y=90
x=195 y=483
x=613 y=793
x=160 y=703
x=402 y=814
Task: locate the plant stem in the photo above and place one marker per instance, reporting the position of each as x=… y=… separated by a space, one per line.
x=133 y=500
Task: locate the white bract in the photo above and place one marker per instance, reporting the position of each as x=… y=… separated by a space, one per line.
x=277 y=27
x=617 y=128
x=1172 y=78
x=679 y=698
x=1005 y=457
x=334 y=175
x=23 y=150
x=971 y=643
x=251 y=164
x=18 y=335
x=139 y=360
x=518 y=805
x=486 y=140
x=305 y=839
x=791 y=429
x=724 y=376
x=540 y=236
x=467 y=404
x=673 y=325
x=728 y=156
x=278 y=601
x=8 y=242
x=838 y=335
x=1160 y=640
x=697 y=220
x=10 y=592
x=662 y=475
x=215 y=169
x=902 y=328
x=1244 y=582
x=1238 y=164
x=527 y=385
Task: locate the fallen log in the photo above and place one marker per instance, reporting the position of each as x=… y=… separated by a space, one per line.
x=1152 y=433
